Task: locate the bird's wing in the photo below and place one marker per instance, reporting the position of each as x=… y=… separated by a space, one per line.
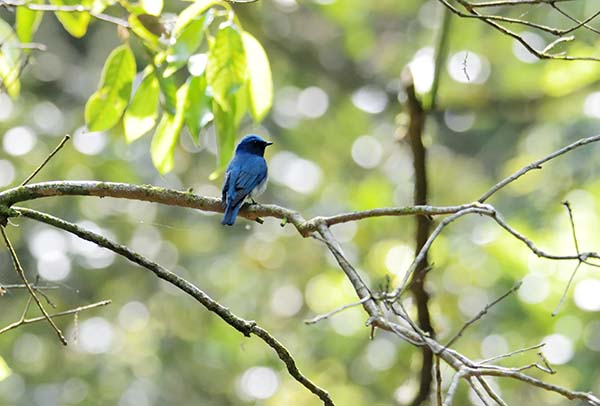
x=244 y=177
x=225 y=188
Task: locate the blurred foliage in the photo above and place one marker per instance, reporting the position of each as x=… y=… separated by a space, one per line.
x=337 y=112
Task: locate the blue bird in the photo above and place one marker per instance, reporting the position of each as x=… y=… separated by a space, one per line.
x=246 y=176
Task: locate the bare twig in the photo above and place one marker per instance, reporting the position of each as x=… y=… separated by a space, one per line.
x=438 y=382
x=583 y=23
x=77 y=310
x=21 y=273
x=499 y=3
x=78 y=8
x=48 y=158
x=536 y=165
x=490 y=391
x=35 y=287
x=494 y=20
x=512 y=353
x=564 y=294
x=481 y=209
x=477 y=391
x=453 y=387
x=482 y=313
x=336 y=311
x=572 y=222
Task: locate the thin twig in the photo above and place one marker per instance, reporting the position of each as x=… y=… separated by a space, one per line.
x=453 y=387
x=500 y=3
x=336 y=311
x=583 y=23
x=536 y=165
x=78 y=8
x=477 y=391
x=438 y=381
x=21 y=273
x=490 y=391
x=482 y=313
x=48 y=158
x=23 y=286
x=482 y=209
x=568 y=207
x=564 y=294
x=492 y=21
x=510 y=354
x=77 y=310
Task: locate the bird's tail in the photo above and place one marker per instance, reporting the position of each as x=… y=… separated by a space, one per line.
x=231 y=213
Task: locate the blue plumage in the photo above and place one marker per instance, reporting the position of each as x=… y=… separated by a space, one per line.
x=246 y=176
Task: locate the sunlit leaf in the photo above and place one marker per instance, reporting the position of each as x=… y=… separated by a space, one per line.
x=185 y=45
x=27 y=22
x=165 y=138
x=260 y=84
x=168 y=87
x=226 y=67
x=10 y=60
x=199 y=112
x=4 y=370
x=197 y=64
x=192 y=12
x=140 y=117
x=226 y=129
x=241 y=99
x=143 y=27
x=105 y=107
x=74 y=22
x=99 y=6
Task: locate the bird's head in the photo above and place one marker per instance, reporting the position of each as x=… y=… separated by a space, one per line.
x=253 y=144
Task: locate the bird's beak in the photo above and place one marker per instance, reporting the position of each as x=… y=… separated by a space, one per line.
x=268 y=143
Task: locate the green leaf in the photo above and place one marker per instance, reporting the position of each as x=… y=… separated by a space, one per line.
x=9 y=73
x=199 y=112
x=241 y=99
x=74 y=22
x=260 y=84
x=226 y=67
x=142 y=113
x=27 y=22
x=165 y=138
x=10 y=60
x=168 y=89
x=4 y=370
x=146 y=28
x=185 y=45
x=105 y=107
x=226 y=129
x=190 y=13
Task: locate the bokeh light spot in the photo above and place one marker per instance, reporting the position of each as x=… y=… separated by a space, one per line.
x=258 y=383
x=19 y=141
x=587 y=295
x=367 y=151
x=558 y=349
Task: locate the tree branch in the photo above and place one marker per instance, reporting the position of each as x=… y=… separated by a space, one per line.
x=78 y=8
x=243 y=326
